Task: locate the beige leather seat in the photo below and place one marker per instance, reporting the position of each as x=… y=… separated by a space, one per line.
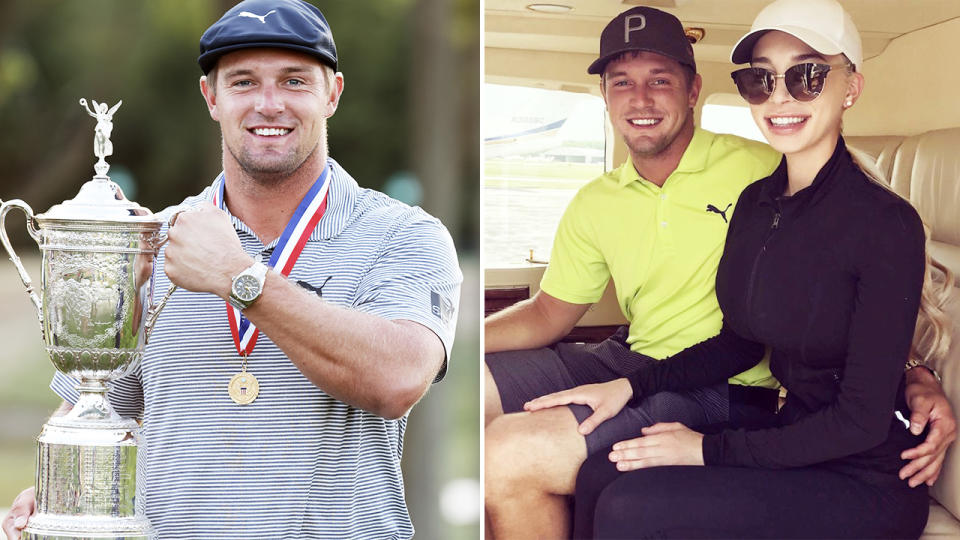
x=882 y=148
x=944 y=520
x=925 y=169
x=934 y=189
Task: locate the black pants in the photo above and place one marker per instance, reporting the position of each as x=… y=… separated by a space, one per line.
x=738 y=502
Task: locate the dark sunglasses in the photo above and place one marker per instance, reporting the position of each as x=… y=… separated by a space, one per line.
x=804 y=82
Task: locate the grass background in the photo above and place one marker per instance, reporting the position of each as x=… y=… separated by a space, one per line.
x=25 y=372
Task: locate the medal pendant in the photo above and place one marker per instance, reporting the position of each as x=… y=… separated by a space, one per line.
x=243 y=388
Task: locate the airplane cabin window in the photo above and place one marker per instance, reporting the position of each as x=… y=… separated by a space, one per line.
x=540 y=146
x=729 y=113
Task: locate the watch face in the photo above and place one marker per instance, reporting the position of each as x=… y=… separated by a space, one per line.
x=246 y=288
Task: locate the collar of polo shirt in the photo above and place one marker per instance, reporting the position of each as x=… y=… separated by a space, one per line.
x=694 y=159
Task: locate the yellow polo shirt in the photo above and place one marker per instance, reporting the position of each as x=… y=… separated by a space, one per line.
x=660 y=245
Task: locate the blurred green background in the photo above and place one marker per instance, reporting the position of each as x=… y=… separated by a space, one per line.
x=408 y=124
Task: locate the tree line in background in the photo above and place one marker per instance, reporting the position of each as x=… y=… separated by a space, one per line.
x=410 y=106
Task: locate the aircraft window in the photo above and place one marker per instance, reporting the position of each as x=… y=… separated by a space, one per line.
x=540 y=146
x=729 y=113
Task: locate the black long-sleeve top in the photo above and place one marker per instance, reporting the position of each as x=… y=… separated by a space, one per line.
x=830 y=279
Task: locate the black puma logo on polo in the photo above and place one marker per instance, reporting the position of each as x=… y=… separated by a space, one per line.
x=723 y=213
x=317 y=290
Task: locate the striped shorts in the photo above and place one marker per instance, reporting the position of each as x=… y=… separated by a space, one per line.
x=524 y=375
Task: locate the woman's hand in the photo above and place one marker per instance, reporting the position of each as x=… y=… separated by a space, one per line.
x=662 y=444
x=606 y=400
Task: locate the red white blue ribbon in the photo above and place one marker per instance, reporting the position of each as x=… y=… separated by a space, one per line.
x=286 y=252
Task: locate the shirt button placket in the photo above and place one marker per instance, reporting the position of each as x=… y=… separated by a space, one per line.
x=663 y=219
x=662 y=210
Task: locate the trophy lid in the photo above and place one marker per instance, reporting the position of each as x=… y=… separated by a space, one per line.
x=99 y=199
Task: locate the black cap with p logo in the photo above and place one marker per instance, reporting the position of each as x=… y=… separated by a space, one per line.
x=643 y=29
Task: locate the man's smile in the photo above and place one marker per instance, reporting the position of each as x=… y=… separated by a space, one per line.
x=270 y=131
x=644 y=122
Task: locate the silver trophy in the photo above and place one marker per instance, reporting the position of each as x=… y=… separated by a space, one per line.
x=94 y=306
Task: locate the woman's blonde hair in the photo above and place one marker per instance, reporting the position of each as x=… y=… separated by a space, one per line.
x=931 y=338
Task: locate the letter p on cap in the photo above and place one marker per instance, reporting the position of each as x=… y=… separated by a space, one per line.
x=628 y=27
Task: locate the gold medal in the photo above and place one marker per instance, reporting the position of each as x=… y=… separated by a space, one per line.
x=243 y=388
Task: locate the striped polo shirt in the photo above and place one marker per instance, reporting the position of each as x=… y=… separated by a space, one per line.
x=296 y=463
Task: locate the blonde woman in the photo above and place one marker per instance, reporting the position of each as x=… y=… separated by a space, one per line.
x=827 y=267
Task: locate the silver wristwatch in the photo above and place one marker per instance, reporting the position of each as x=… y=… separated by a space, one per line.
x=247 y=286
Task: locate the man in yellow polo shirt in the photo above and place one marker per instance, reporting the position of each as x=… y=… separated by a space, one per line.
x=655 y=226
x=660 y=244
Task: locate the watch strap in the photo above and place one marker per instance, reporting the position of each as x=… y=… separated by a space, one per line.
x=236 y=302
x=913 y=362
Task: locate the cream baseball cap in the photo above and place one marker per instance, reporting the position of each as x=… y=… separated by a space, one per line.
x=822 y=24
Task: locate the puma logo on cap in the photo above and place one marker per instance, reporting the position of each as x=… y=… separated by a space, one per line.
x=263 y=18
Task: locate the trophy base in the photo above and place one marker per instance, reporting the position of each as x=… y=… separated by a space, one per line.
x=86 y=472
x=53 y=527
x=86 y=482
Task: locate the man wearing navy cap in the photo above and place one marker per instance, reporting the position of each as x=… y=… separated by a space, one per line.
x=313 y=314
x=655 y=226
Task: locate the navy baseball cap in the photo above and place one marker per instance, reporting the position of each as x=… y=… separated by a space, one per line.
x=643 y=29
x=285 y=24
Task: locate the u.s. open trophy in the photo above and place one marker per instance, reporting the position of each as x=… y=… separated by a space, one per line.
x=96 y=314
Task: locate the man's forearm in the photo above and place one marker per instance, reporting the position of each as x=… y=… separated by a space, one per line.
x=517 y=327
x=375 y=364
x=536 y=322
x=367 y=361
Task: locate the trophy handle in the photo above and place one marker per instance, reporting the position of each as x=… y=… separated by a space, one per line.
x=154 y=312
x=35 y=234
x=162 y=239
